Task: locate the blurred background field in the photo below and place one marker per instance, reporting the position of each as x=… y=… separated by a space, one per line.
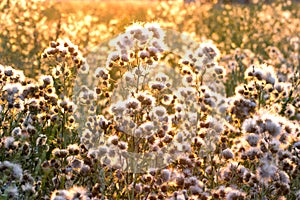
x=28 y=27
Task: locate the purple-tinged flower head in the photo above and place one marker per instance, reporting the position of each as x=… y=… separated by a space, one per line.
x=16 y=170
x=227 y=154
x=261 y=72
x=252 y=139
x=267 y=167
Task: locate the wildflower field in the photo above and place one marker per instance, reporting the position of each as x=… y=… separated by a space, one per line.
x=176 y=100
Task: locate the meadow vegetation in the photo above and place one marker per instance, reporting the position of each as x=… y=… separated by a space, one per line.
x=156 y=100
